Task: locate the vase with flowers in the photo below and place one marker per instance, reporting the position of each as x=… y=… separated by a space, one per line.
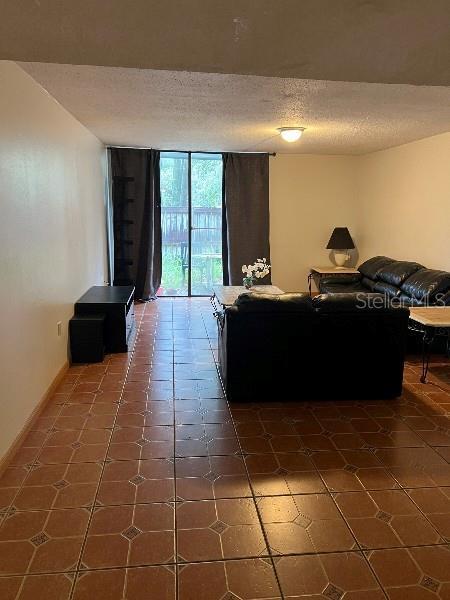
x=258 y=270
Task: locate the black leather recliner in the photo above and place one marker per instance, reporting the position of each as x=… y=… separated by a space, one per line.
x=409 y=283
x=292 y=347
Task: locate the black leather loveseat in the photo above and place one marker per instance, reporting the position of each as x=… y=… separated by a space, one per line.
x=409 y=283
x=293 y=347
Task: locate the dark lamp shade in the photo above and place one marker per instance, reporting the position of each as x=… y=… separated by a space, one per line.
x=340 y=239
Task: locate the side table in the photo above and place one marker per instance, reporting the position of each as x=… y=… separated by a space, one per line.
x=316 y=273
x=116 y=304
x=430 y=321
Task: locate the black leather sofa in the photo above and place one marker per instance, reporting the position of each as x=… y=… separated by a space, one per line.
x=409 y=283
x=293 y=347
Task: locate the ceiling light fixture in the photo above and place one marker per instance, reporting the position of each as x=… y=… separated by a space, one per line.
x=291 y=134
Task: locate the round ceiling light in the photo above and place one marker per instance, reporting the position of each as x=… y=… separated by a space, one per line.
x=291 y=134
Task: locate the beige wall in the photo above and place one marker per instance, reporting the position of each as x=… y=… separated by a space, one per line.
x=395 y=202
x=404 y=202
x=309 y=196
x=52 y=238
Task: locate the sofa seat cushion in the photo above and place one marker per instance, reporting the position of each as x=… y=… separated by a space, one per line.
x=259 y=302
x=370 y=267
x=426 y=285
x=398 y=272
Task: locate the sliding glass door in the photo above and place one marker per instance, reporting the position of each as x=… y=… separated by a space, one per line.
x=206 y=222
x=191 y=214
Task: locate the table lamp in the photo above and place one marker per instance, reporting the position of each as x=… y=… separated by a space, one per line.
x=340 y=241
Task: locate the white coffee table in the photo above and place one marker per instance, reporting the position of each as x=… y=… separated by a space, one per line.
x=226 y=295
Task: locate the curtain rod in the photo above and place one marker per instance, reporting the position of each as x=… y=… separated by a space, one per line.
x=187 y=151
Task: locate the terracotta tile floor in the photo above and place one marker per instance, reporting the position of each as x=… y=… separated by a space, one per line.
x=139 y=482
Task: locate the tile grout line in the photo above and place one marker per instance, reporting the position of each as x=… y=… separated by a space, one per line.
x=174 y=458
x=402 y=488
x=326 y=492
x=31 y=465
x=220 y=560
x=242 y=455
x=46 y=437
x=83 y=546
x=334 y=502
x=49 y=432
x=361 y=550
x=49 y=510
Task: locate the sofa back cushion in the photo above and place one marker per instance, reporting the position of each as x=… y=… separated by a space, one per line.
x=362 y=335
x=368 y=283
x=370 y=267
x=264 y=340
x=358 y=303
x=259 y=302
x=427 y=284
x=397 y=272
x=386 y=288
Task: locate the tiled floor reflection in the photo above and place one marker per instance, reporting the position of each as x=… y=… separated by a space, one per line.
x=140 y=482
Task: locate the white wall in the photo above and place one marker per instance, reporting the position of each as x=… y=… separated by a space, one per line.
x=52 y=232
x=309 y=196
x=404 y=202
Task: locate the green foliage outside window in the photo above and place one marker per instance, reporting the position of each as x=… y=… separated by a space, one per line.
x=206 y=190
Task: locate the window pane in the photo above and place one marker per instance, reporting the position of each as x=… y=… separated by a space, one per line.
x=174 y=223
x=206 y=179
x=206 y=223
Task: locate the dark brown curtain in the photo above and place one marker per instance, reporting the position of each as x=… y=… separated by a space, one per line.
x=136 y=207
x=245 y=213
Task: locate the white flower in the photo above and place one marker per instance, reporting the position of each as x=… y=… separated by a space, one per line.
x=258 y=269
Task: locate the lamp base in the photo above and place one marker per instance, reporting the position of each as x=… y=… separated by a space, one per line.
x=340 y=258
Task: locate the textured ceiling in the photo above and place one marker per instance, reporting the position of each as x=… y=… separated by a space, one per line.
x=384 y=41
x=201 y=111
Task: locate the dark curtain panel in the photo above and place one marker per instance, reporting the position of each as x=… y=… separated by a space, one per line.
x=245 y=218
x=136 y=202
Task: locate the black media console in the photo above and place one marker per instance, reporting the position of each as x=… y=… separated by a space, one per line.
x=116 y=304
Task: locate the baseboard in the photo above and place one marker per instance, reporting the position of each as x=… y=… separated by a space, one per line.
x=8 y=456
